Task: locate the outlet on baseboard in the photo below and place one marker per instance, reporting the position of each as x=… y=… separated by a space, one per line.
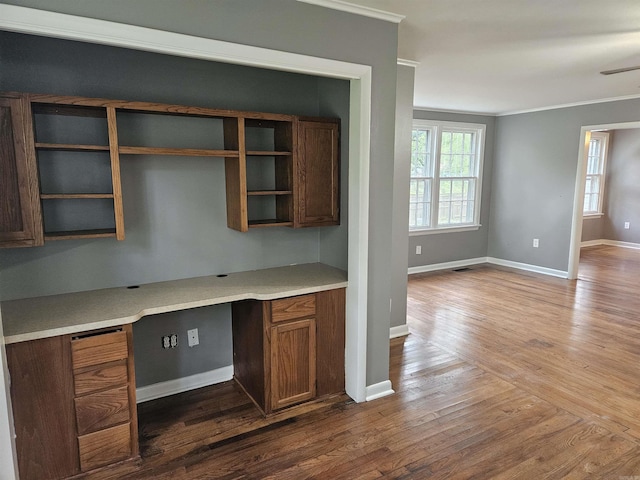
x=536 y=242
x=627 y=225
x=418 y=249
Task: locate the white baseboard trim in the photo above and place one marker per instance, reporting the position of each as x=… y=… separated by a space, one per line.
x=447 y=265
x=591 y=243
x=399 y=331
x=379 y=390
x=495 y=261
x=528 y=267
x=612 y=243
x=184 y=384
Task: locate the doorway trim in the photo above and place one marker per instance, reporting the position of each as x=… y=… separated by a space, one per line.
x=578 y=200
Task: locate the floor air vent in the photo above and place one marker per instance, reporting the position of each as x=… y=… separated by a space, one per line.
x=462 y=269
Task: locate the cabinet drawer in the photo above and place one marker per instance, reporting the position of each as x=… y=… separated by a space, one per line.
x=104 y=447
x=97 y=349
x=101 y=378
x=293 y=307
x=101 y=410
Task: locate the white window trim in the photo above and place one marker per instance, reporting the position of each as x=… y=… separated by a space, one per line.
x=604 y=137
x=481 y=130
x=432 y=231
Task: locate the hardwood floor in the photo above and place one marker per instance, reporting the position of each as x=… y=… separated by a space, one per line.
x=506 y=375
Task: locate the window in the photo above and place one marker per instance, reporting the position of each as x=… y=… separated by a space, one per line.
x=596 y=163
x=446 y=170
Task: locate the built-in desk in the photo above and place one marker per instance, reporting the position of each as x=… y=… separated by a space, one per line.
x=71 y=357
x=72 y=313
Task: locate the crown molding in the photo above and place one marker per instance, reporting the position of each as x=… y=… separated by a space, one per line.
x=568 y=105
x=357 y=9
x=457 y=112
x=408 y=63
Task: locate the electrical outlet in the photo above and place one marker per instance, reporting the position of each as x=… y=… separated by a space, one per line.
x=166 y=342
x=627 y=225
x=418 y=249
x=192 y=337
x=536 y=242
x=174 y=340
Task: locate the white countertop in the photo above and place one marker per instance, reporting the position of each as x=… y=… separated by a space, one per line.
x=42 y=317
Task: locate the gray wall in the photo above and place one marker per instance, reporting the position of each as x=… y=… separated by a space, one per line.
x=591 y=228
x=401 y=177
x=622 y=188
x=534 y=174
x=174 y=207
x=449 y=247
x=296 y=27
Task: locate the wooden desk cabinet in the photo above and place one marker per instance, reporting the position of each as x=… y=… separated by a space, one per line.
x=289 y=350
x=73 y=395
x=74 y=402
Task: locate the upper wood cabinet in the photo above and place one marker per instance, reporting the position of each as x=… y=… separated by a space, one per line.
x=317 y=198
x=60 y=166
x=20 y=216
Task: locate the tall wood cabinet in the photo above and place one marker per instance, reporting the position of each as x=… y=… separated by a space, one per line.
x=289 y=350
x=74 y=403
x=20 y=215
x=317 y=173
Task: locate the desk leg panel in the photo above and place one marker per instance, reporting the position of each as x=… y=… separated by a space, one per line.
x=43 y=408
x=330 y=338
x=248 y=348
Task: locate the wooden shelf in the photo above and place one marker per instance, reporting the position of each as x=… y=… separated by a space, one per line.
x=61 y=196
x=72 y=147
x=78 y=234
x=261 y=153
x=269 y=192
x=269 y=223
x=182 y=152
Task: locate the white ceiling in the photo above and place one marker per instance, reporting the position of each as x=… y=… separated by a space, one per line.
x=502 y=56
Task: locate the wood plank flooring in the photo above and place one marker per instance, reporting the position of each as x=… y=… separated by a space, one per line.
x=506 y=375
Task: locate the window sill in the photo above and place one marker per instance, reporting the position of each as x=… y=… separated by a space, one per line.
x=431 y=231
x=592 y=215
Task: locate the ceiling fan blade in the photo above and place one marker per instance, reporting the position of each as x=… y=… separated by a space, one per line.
x=620 y=70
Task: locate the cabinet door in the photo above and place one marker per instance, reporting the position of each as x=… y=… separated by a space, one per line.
x=20 y=214
x=317 y=175
x=293 y=362
x=43 y=410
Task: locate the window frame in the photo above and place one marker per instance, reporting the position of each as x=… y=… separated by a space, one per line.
x=604 y=152
x=437 y=128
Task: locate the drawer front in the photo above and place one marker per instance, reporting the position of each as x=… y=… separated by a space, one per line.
x=293 y=307
x=101 y=410
x=104 y=447
x=97 y=349
x=100 y=378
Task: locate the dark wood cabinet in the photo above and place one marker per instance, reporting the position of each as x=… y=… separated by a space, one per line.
x=317 y=199
x=20 y=213
x=280 y=348
x=73 y=402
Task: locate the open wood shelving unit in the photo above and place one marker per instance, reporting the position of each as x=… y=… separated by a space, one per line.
x=269 y=141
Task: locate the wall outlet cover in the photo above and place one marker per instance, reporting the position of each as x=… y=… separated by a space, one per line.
x=192 y=337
